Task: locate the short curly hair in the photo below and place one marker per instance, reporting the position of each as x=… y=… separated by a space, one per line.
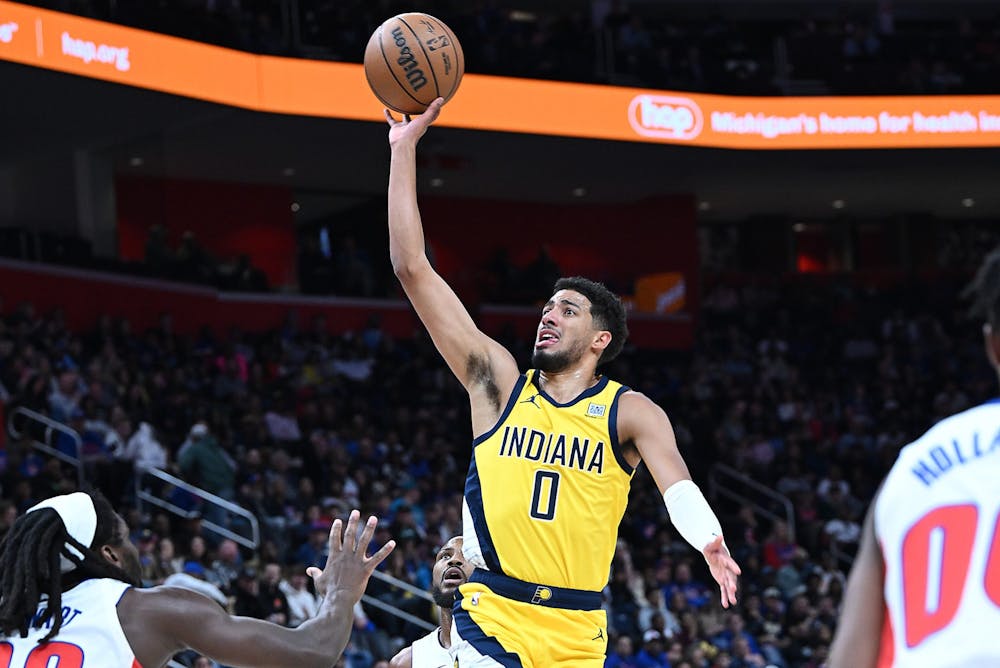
x=606 y=309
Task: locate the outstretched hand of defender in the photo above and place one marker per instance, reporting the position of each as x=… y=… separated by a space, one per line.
x=724 y=569
x=411 y=129
x=348 y=568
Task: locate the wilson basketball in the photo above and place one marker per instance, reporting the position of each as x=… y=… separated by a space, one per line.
x=411 y=60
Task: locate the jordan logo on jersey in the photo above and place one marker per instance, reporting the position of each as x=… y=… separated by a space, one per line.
x=533 y=400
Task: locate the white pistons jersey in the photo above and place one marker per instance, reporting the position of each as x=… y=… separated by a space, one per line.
x=427 y=652
x=937 y=520
x=91 y=635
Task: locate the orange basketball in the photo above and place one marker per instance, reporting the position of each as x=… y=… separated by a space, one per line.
x=411 y=60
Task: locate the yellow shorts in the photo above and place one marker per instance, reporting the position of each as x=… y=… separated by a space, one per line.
x=500 y=621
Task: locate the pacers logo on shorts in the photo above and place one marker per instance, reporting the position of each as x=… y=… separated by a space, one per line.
x=542 y=595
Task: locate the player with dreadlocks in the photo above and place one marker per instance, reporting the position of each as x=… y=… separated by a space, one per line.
x=69 y=579
x=58 y=563
x=925 y=586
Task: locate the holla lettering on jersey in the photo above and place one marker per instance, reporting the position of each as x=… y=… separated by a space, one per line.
x=68 y=615
x=554 y=449
x=942 y=458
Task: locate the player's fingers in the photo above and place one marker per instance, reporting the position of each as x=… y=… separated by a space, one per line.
x=336 y=535
x=366 y=535
x=351 y=534
x=313 y=572
x=389 y=117
x=731 y=589
x=434 y=109
x=373 y=561
x=406 y=117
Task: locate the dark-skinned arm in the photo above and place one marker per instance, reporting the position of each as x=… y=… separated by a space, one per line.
x=162 y=621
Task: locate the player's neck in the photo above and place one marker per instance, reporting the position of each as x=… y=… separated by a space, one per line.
x=565 y=386
x=444 y=633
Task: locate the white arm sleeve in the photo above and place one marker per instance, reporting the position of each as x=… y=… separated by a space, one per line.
x=691 y=514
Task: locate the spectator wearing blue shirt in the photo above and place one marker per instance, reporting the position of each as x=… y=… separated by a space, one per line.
x=652 y=654
x=696 y=594
x=623 y=655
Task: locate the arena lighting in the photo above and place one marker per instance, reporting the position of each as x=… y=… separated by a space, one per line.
x=968 y=202
x=295 y=207
x=579 y=192
x=704 y=205
x=98 y=50
x=437 y=182
x=288 y=171
x=135 y=162
x=838 y=204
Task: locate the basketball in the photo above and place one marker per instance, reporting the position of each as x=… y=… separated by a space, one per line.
x=411 y=60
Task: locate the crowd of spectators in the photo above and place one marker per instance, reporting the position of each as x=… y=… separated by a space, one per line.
x=810 y=387
x=191 y=262
x=880 y=49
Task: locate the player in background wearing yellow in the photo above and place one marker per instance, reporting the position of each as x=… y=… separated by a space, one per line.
x=925 y=586
x=451 y=570
x=69 y=596
x=553 y=456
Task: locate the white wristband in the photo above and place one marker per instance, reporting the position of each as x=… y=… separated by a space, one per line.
x=691 y=514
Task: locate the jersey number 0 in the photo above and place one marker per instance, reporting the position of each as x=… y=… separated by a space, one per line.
x=544 y=496
x=937 y=554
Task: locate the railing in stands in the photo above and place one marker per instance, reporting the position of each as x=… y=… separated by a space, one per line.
x=393 y=610
x=40 y=430
x=216 y=504
x=722 y=481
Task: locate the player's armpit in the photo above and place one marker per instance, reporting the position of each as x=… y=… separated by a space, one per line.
x=859 y=631
x=474 y=358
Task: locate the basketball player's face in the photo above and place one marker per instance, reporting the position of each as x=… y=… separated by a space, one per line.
x=564 y=332
x=450 y=571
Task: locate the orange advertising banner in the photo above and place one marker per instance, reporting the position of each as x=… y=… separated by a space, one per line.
x=98 y=50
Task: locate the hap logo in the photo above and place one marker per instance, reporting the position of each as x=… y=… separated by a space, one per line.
x=665 y=117
x=7 y=31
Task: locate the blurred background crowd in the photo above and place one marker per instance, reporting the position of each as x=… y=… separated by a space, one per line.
x=811 y=366
x=808 y=386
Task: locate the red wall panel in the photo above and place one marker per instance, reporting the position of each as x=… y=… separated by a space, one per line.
x=227 y=219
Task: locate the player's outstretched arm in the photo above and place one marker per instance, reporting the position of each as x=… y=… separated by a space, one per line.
x=471 y=355
x=164 y=620
x=643 y=423
x=859 y=631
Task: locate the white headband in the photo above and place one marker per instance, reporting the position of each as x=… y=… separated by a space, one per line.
x=80 y=518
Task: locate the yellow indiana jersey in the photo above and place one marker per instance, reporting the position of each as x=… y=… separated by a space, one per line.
x=547 y=488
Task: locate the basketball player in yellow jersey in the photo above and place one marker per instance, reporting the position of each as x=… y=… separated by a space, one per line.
x=552 y=460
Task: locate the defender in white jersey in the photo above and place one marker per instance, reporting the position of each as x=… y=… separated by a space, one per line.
x=451 y=570
x=68 y=597
x=925 y=587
